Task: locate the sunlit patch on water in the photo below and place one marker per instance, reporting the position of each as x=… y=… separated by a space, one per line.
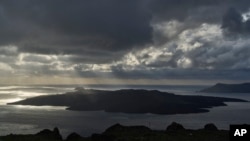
x=10 y=100
x=11 y=87
x=7 y=128
x=32 y=91
x=10 y=94
x=48 y=108
x=24 y=94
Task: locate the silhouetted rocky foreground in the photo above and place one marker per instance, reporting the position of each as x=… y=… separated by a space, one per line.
x=129 y=101
x=117 y=132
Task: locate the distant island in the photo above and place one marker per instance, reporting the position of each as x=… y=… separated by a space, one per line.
x=129 y=101
x=228 y=88
x=118 y=132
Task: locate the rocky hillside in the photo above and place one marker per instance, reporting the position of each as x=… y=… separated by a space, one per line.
x=117 y=132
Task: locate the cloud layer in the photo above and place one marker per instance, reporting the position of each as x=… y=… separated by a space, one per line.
x=132 y=39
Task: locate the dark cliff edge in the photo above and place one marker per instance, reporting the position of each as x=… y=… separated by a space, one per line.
x=228 y=88
x=129 y=101
x=118 y=132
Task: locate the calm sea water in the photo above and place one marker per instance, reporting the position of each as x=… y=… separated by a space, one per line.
x=31 y=119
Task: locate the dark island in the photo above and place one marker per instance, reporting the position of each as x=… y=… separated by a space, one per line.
x=228 y=88
x=129 y=101
x=117 y=132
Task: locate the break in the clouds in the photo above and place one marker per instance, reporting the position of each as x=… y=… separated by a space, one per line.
x=126 y=39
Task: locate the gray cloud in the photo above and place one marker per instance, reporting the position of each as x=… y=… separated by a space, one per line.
x=154 y=39
x=76 y=26
x=178 y=74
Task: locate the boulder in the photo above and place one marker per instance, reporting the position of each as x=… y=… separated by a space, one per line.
x=210 y=127
x=175 y=127
x=73 y=137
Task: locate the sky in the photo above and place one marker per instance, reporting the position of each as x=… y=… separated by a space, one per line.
x=124 y=41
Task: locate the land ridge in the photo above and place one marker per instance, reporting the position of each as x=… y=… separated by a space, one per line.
x=228 y=88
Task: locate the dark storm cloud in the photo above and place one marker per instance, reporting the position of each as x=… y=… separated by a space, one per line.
x=180 y=9
x=233 y=22
x=75 y=26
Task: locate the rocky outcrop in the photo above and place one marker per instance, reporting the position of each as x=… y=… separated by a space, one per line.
x=120 y=128
x=54 y=135
x=175 y=127
x=44 y=135
x=74 y=137
x=118 y=132
x=210 y=127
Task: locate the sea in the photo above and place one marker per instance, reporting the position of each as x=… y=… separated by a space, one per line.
x=19 y=119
